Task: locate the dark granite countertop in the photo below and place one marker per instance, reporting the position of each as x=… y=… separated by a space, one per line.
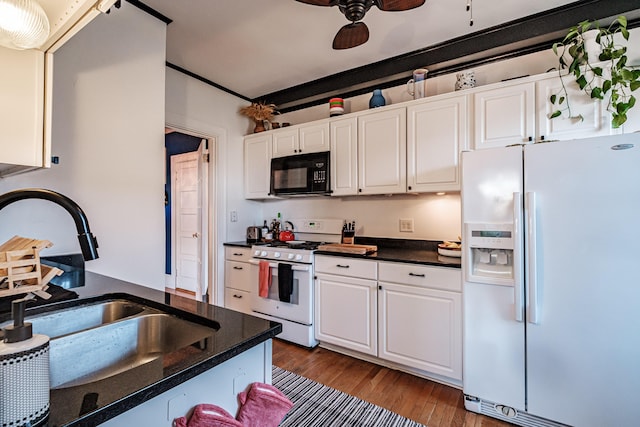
x=396 y=250
x=241 y=244
x=411 y=256
x=97 y=402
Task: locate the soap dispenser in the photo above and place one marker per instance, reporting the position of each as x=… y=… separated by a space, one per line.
x=24 y=372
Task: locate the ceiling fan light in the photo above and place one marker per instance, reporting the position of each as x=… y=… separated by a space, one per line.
x=23 y=24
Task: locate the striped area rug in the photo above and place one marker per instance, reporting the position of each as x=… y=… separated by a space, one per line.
x=315 y=404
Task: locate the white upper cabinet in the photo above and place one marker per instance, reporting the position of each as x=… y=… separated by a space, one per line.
x=504 y=115
x=21 y=109
x=307 y=138
x=25 y=84
x=436 y=133
x=257 y=165
x=344 y=157
x=595 y=119
x=382 y=152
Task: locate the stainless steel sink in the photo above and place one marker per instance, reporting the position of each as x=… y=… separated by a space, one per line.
x=107 y=350
x=95 y=340
x=78 y=318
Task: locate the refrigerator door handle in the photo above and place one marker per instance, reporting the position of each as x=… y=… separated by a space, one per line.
x=532 y=267
x=518 y=276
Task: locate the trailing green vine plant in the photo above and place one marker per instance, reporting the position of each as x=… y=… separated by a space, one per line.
x=608 y=75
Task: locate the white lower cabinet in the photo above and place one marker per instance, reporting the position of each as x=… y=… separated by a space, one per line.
x=420 y=325
x=346 y=306
x=237 y=279
x=408 y=314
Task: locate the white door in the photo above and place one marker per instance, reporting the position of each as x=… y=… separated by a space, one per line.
x=187 y=203
x=582 y=349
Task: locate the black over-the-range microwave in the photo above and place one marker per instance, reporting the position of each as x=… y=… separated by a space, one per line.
x=301 y=174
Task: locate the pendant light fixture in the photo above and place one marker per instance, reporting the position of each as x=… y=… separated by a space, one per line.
x=23 y=24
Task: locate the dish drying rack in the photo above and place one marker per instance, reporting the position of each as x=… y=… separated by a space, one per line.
x=20 y=268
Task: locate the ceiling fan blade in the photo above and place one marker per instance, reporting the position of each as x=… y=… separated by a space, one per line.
x=320 y=2
x=398 y=5
x=351 y=35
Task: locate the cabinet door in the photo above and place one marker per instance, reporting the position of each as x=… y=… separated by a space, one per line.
x=285 y=142
x=382 y=152
x=314 y=138
x=344 y=157
x=595 y=120
x=504 y=116
x=346 y=312
x=421 y=328
x=21 y=108
x=436 y=133
x=257 y=166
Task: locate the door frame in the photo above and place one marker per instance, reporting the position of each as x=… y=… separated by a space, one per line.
x=213 y=201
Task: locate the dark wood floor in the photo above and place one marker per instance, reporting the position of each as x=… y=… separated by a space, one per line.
x=421 y=400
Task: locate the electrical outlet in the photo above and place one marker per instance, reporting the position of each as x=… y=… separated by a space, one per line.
x=406 y=225
x=234 y=216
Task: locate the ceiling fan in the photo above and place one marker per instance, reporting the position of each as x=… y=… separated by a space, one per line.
x=357 y=33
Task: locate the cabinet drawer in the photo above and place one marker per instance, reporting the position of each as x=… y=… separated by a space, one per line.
x=238 y=300
x=238 y=276
x=236 y=253
x=344 y=266
x=448 y=279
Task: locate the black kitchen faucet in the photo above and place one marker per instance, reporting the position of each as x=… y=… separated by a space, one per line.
x=88 y=243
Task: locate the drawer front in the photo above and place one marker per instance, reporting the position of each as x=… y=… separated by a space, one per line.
x=448 y=279
x=238 y=300
x=236 y=253
x=238 y=276
x=344 y=266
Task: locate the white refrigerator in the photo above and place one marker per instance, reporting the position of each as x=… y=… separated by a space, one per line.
x=551 y=271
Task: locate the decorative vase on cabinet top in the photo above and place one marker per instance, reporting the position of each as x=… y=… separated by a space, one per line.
x=377 y=100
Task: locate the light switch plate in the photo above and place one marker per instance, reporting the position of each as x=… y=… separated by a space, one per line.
x=406 y=225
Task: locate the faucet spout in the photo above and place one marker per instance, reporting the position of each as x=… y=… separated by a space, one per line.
x=88 y=243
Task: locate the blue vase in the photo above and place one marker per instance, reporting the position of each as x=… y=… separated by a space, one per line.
x=377 y=100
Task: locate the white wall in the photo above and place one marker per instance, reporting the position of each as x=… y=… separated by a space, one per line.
x=199 y=108
x=108 y=122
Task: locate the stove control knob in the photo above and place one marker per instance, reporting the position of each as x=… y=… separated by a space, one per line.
x=290 y=256
x=276 y=254
x=298 y=257
x=256 y=253
x=263 y=253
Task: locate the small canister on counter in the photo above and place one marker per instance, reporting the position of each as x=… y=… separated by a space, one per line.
x=24 y=372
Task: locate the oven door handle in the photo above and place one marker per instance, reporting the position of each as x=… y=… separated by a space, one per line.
x=294 y=267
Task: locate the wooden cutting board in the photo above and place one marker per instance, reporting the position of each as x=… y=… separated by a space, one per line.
x=348 y=249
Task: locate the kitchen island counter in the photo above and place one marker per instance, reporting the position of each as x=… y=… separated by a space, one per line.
x=97 y=402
